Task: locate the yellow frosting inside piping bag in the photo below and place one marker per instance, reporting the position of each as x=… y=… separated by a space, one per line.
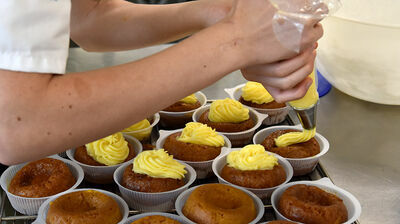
x=294 y=137
x=189 y=99
x=256 y=93
x=201 y=134
x=111 y=150
x=139 y=135
x=310 y=99
x=228 y=110
x=158 y=164
x=252 y=157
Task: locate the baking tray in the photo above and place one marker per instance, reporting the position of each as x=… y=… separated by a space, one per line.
x=8 y=215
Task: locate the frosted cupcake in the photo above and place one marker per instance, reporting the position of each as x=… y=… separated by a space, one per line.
x=142 y=130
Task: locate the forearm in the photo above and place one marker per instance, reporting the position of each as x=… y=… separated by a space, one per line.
x=74 y=109
x=111 y=25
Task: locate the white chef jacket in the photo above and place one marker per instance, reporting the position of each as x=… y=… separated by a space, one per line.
x=34 y=35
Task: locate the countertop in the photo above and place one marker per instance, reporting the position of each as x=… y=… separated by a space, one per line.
x=364 y=137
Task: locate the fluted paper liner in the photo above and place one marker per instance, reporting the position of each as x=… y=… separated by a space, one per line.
x=30 y=206
x=181 y=200
x=301 y=166
x=151 y=202
x=275 y=116
x=263 y=193
x=203 y=168
x=352 y=204
x=104 y=174
x=241 y=138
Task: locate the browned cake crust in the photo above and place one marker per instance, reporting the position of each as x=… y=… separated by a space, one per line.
x=219 y=203
x=226 y=126
x=84 y=207
x=155 y=219
x=188 y=151
x=144 y=183
x=254 y=178
x=309 y=204
x=299 y=150
x=181 y=107
x=270 y=105
x=82 y=156
x=42 y=178
x=280 y=222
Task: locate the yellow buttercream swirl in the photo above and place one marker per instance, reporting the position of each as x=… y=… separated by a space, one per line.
x=139 y=135
x=158 y=164
x=256 y=93
x=201 y=134
x=310 y=99
x=189 y=99
x=111 y=150
x=294 y=137
x=228 y=110
x=252 y=157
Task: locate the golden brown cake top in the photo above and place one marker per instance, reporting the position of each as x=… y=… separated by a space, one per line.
x=155 y=219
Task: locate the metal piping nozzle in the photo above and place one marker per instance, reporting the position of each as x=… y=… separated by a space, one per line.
x=307 y=117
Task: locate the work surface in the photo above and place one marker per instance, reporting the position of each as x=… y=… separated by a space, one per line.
x=364 y=156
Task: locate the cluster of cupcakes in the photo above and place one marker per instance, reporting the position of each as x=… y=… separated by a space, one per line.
x=153 y=173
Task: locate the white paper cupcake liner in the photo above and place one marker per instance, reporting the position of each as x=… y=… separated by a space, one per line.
x=301 y=166
x=155 y=118
x=352 y=204
x=161 y=202
x=204 y=168
x=168 y=215
x=30 y=206
x=41 y=219
x=237 y=139
x=264 y=193
x=181 y=200
x=104 y=174
x=276 y=116
x=180 y=118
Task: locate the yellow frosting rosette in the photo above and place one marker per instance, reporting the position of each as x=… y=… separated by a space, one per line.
x=201 y=134
x=228 y=110
x=189 y=99
x=294 y=137
x=255 y=92
x=158 y=164
x=139 y=135
x=252 y=157
x=111 y=150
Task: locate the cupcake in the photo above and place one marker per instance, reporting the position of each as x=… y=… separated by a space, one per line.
x=177 y=115
x=142 y=130
x=99 y=159
x=254 y=95
x=155 y=218
x=153 y=181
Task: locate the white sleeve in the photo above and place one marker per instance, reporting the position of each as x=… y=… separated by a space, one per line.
x=34 y=35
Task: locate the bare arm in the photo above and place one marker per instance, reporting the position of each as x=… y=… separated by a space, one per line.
x=110 y=25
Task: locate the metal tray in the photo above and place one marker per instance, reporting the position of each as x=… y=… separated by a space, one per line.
x=8 y=215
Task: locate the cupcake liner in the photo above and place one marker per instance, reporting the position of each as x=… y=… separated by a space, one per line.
x=173 y=120
x=168 y=215
x=181 y=200
x=41 y=219
x=301 y=166
x=155 y=118
x=104 y=174
x=276 y=116
x=30 y=206
x=352 y=204
x=162 y=201
x=263 y=193
x=204 y=168
x=237 y=139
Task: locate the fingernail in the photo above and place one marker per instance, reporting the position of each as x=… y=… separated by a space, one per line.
x=315 y=45
x=309 y=83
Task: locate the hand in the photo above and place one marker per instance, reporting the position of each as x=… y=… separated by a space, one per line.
x=252 y=22
x=285 y=80
x=216 y=10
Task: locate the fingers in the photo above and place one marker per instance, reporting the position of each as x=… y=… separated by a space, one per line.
x=311 y=34
x=282 y=96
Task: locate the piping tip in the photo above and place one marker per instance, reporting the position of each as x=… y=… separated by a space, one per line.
x=307 y=117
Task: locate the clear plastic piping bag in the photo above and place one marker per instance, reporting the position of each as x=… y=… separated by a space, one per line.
x=292 y=15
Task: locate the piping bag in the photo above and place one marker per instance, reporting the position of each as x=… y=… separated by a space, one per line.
x=288 y=24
